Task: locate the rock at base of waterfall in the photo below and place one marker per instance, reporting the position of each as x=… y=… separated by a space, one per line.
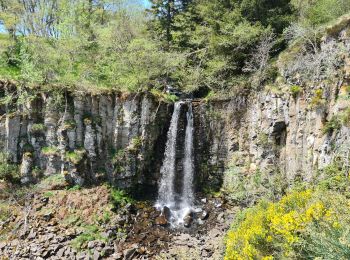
x=204 y=215
x=204 y=200
x=188 y=220
x=161 y=221
x=166 y=213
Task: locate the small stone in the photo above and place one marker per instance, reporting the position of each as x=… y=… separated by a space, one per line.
x=117 y=256
x=47 y=216
x=92 y=244
x=2 y=245
x=221 y=217
x=219 y=205
x=97 y=255
x=129 y=253
x=107 y=251
x=204 y=215
x=197 y=210
x=60 y=252
x=204 y=200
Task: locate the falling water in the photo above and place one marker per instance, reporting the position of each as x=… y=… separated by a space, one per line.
x=166 y=186
x=166 y=194
x=187 y=191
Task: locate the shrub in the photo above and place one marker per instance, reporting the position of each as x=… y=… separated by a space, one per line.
x=135 y=144
x=282 y=230
x=332 y=125
x=165 y=97
x=247 y=188
x=295 y=90
x=8 y=172
x=38 y=128
x=345 y=117
x=120 y=197
x=75 y=156
x=69 y=124
x=50 y=150
x=317 y=99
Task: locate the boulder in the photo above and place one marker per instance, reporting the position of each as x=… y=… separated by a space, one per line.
x=161 y=221
x=188 y=220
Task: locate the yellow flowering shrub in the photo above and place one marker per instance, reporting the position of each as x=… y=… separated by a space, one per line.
x=274 y=230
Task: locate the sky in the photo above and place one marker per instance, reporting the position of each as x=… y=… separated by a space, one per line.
x=146 y=3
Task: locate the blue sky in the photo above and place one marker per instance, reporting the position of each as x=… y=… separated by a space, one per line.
x=146 y=3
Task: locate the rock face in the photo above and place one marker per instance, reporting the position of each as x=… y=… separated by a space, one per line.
x=271 y=132
x=88 y=138
x=122 y=138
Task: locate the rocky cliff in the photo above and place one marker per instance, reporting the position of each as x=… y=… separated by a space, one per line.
x=88 y=138
x=272 y=132
x=94 y=138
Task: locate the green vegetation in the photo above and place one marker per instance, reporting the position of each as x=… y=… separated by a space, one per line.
x=295 y=90
x=50 y=150
x=309 y=222
x=75 y=188
x=90 y=233
x=38 y=128
x=120 y=197
x=216 y=46
x=8 y=172
x=332 y=125
x=75 y=156
x=317 y=100
x=246 y=188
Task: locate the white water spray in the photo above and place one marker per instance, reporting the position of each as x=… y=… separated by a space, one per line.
x=166 y=185
x=166 y=194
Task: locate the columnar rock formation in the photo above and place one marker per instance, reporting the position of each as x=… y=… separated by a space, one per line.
x=88 y=138
x=122 y=139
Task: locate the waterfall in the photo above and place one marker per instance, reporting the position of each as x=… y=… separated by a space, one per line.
x=187 y=191
x=180 y=205
x=166 y=186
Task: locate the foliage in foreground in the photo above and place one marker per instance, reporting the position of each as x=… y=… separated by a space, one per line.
x=303 y=225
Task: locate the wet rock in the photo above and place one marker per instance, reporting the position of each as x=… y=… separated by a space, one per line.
x=188 y=219
x=166 y=213
x=204 y=200
x=204 y=215
x=197 y=210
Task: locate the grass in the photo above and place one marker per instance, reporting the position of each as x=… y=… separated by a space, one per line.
x=75 y=156
x=50 y=150
x=38 y=128
x=332 y=125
